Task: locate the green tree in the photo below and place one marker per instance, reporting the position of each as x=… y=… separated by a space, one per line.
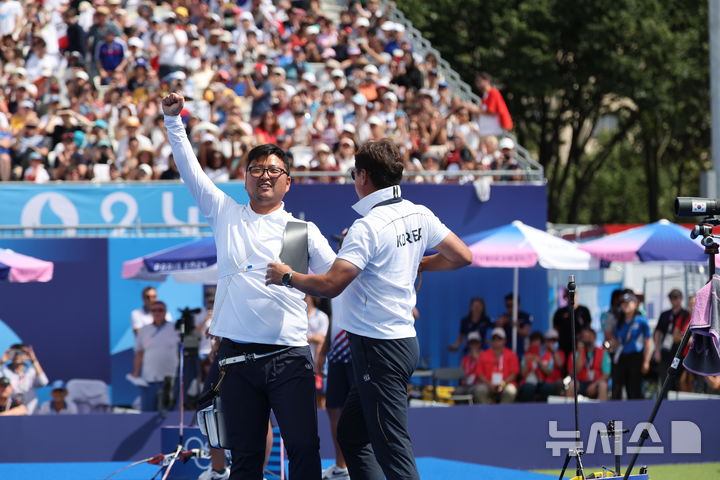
x=566 y=68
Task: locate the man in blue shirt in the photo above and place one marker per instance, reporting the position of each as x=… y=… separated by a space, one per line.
x=110 y=55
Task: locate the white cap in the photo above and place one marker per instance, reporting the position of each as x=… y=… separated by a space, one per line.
x=312 y=29
x=145 y=168
x=388 y=26
x=349 y=127
x=552 y=333
x=246 y=16
x=375 y=120
x=337 y=73
x=31 y=89
x=500 y=332
x=135 y=42
x=371 y=69
x=27 y=104
x=362 y=22
x=82 y=74
x=207 y=137
x=506 y=143
x=309 y=77
x=390 y=96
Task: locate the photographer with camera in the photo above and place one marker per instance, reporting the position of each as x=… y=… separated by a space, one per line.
x=24 y=372
x=156 y=359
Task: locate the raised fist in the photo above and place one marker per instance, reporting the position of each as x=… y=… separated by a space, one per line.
x=173 y=104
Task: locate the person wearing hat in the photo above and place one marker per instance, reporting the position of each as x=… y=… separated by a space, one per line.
x=132 y=131
x=10 y=404
x=593 y=368
x=470 y=364
x=263 y=346
x=633 y=353
x=375 y=271
x=60 y=403
x=172 y=40
x=497 y=372
x=668 y=333
x=259 y=88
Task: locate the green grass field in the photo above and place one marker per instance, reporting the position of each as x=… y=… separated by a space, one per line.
x=690 y=471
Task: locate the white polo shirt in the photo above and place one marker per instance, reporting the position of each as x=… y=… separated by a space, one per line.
x=387 y=244
x=160 y=351
x=245 y=309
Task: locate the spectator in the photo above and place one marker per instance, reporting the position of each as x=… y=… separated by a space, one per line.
x=172 y=40
x=497 y=372
x=60 y=404
x=110 y=56
x=477 y=320
x=9 y=403
x=561 y=323
x=593 y=367
x=632 y=357
x=142 y=316
x=668 y=333
x=156 y=359
x=24 y=372
x=494 y=115
x=259 y=88
x=470 y=363
x=549 y=365
x=609 y=319
x=523 y=325
x=530 y=368
x=268 y=129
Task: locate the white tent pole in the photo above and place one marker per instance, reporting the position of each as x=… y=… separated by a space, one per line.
x=662 y=287
x=516 y=281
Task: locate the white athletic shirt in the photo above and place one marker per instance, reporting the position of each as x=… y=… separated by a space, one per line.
x=245 y=309
x=387 y=244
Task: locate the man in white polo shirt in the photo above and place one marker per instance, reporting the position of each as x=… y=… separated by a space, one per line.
x=156 y=356
x=263 y=329
x=382 y=253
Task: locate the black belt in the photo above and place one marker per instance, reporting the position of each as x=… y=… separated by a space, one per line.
x=249 y=357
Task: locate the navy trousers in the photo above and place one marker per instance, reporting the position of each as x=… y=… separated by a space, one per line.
x=284 y=383
x=372 y=431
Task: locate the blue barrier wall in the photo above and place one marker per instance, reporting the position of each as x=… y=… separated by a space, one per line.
x=513 y=435
x=88 y=303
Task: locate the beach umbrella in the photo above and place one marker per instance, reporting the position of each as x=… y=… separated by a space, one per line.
x=192 y=262
x=518 y=245
x=661 y=241
x=16 y=267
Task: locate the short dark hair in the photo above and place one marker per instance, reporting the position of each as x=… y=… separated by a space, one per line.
x=509 y=296
x=264 y=151
x=536 y=335
x=382 y=161
x=484 y=76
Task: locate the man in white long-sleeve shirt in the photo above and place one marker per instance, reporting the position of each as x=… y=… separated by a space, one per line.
x=262 y=328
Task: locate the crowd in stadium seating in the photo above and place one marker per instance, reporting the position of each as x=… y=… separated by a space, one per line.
x=82 y=81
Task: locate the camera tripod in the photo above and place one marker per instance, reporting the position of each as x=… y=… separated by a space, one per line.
x=577 y=451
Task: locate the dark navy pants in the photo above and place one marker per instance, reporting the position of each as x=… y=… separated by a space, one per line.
x=372 y=431
x=284 y=383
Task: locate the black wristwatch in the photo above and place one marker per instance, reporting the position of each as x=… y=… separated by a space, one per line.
x=287 y=278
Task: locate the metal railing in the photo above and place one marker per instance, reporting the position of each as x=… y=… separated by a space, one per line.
x=137 y=229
